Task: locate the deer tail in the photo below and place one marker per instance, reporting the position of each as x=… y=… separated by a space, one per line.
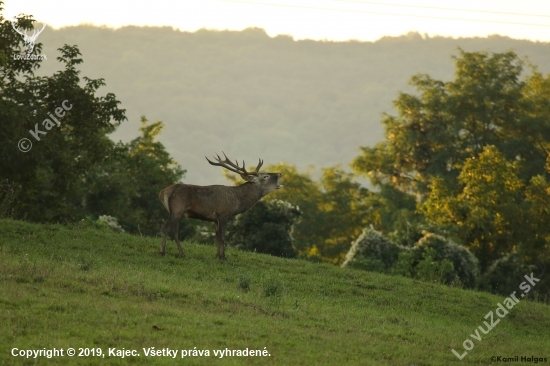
x=164 y=196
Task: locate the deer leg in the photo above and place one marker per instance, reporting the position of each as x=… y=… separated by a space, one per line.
x=217 y=227
x=166 y=228
x=165 y=231
x=177 y=238
x=221 y=223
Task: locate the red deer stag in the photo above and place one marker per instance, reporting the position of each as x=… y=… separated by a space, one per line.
x=218 y=204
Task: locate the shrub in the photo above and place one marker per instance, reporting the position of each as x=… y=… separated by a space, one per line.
x=111 y=222
x=504 y=275
x=372 y=251
x=404 y=264
x=266 y=228
x=429 y=269
x=465 y=264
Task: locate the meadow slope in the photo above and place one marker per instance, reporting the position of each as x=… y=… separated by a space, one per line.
x=81 y=287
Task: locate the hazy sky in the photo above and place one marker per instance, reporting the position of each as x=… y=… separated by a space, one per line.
x=312 y=19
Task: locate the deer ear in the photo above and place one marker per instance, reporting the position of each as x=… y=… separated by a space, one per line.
x=249 y=178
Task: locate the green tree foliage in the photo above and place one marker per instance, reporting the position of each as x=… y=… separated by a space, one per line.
x=127 y=185
x=485 y=209
x=301 y=191
x=266 y=228
x=472 y=152
x=50 y=175
x=435 y=132
x=8 y=199
x=393 y=212
x=74 y=170
x=428 y=268
x=537 y=197
x=344 y=208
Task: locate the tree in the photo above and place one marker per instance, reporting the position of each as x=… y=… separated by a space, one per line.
x=472 y=153
x=435 y=132
x=344 y=207
x=485 y=211
x=73 y=169
x=393 y=213
x=127 y=185
x=49 y=176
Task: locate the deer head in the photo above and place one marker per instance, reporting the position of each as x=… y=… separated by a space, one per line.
x=268 y=181
x=28 y=40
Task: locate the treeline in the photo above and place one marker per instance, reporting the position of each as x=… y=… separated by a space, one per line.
x=269 y=97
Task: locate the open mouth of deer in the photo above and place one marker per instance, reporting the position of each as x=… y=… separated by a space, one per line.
x=279 y=185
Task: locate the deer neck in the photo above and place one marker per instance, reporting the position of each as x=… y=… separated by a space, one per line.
x=249 y=194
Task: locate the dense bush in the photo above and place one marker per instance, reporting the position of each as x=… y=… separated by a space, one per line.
x=504 y=275
x=266 y=228
x=465 y=264
x=372 y=251
x=433 y=258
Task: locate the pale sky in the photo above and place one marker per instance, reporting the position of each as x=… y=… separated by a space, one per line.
x=335 y=20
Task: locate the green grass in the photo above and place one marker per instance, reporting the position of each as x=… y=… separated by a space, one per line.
x=70 y=286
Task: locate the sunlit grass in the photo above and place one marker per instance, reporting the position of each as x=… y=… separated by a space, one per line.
x=71 y=286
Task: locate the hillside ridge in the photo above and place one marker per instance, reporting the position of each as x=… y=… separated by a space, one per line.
x=300 y=102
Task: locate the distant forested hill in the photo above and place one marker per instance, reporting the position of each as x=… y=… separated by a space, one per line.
x=301 y=102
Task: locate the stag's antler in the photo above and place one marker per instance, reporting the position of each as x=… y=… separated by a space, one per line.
x=234 y=167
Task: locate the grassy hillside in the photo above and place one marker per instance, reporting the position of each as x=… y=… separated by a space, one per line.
x=70 y=286
x=251 y=95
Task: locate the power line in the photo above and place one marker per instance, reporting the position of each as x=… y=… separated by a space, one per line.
x=382 y=13
x=437 y=8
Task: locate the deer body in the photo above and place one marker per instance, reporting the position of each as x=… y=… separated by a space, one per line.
x=216 y=203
